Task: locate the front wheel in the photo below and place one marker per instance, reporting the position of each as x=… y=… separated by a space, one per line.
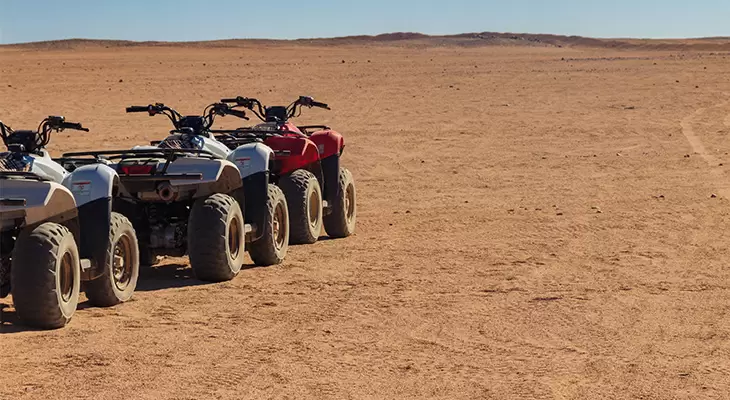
x=272 y=246
x=46 y=276
x=304 y=199
x=121 y=270
x=216 y=238
x=340 y=222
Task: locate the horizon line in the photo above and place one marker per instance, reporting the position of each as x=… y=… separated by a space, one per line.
x=389 y=36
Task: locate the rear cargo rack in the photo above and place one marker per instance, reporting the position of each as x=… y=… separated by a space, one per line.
x=306 y=128
x=169 y=155
x=233 y=142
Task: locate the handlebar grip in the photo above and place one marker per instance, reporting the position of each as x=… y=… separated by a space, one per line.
x=232 y=100
x=73 y=125
x=320 y=105
x=237 y=113
x=133 y=109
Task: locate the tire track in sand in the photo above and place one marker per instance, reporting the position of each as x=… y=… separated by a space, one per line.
x=699 y=148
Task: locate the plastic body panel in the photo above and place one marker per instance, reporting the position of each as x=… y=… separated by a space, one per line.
x=44 y=201
x=91 y=182
x=45 y=167
x=293 y=152
x=251 y=158
x=328 y=143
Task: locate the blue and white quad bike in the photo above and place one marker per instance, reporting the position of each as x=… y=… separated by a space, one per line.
x=185 y=195
x=57 y=230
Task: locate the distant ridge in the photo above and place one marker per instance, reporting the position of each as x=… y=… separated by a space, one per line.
x=413 y=39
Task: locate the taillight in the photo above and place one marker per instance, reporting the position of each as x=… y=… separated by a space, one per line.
x=144 y=169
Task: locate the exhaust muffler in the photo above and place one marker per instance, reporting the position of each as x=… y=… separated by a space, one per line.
x=166 y=192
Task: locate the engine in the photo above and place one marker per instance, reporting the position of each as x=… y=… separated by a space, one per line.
x=168 y=236
x=167 y=226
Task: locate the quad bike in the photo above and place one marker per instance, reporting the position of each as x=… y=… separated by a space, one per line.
x=58 y=230
x=184 y=197
x=307 y=168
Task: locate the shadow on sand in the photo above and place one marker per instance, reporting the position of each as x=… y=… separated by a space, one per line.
x=170 y=276
x=9 y=322
x=166 y=276
x=161 y=277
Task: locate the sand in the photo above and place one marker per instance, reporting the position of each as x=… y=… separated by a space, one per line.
x=534 y=222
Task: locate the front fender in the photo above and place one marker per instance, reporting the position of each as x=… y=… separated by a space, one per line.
x=92 y=182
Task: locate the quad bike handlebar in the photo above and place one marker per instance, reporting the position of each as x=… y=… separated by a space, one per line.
x=275 y=113
x=33 y=140
x=199 y=123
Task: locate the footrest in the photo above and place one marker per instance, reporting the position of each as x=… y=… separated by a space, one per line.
x=249 y=232
x=326 y=209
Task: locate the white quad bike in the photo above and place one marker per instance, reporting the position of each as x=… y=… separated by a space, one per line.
x=185 y=195
x=57 y=230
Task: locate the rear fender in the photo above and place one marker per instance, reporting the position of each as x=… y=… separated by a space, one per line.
x=93 y=186
x=44 y=202
x=92 y=182
x=328 y=143
x=251 y=158
x=219 y=176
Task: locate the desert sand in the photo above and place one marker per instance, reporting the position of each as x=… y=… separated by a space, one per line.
x=535 y=222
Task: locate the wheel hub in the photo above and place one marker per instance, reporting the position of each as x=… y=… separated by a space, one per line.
x=314 y=209
x=121 y=264
x=279 y=226
x=350 y=203
x=234 y=238
x=67 y=277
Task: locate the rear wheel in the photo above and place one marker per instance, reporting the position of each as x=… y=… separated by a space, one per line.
x=272 y=246
x=46 y=276
x=121 y=271
x=340 y=222
x=304 y=199
x=216 y=238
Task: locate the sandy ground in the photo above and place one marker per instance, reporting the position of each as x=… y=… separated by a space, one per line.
x=534 y=223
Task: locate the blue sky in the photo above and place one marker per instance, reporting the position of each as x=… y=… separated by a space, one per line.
x=183 y=20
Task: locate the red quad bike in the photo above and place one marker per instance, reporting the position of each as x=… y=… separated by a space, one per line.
x=306 y=167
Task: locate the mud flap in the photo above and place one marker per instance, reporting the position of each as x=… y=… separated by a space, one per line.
x=256 y=197
x=331 y=172
x=95 y=223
